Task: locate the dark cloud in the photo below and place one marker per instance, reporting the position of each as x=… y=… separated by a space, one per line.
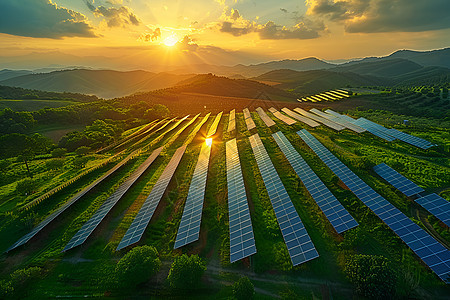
x=42 y=19
x=284 y=10
x=236 y=31
x=235 y=24
x=153 y=35
x=384 y=15
x=121 y=16
x=302 y=30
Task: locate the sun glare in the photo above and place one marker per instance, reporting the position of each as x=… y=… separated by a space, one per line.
x=209 y=142
x=170 y=41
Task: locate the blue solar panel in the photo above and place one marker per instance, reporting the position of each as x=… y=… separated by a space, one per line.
x=81 y=236
x=374 y=129
x=410 y=139
x=298 y=242
x=330 y=206
x=145 y=214
x=434 y=254
x=189 y=229
x=242 y=240
x=437 y=206
x=396 y=179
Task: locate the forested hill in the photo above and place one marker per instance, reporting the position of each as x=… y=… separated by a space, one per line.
x=7 y=92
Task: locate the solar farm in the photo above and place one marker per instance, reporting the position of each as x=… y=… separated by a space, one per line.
x=270 y=190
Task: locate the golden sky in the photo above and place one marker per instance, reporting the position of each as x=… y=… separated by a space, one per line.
x=130 y=34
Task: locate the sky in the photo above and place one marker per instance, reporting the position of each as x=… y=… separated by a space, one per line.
x=146 y=34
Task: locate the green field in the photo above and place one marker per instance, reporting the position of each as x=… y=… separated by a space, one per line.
x=88 y=270
x=33 y=105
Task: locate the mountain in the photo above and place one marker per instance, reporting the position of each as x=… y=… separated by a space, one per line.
x=222 y=86
x=102 y=83
x=436 y=58
x=6 y=74
x=380 y=68
x=16 y=93
x=311 y=82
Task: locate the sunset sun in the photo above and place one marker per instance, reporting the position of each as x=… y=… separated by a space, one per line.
x=170 y=41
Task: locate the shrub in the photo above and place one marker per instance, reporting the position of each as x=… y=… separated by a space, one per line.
x=54 y=164
x=80 y=162
x=26 y=186
x=186 y=272
x=83 y=150
x=138 y=265
x=59 y=152
x=243 y=289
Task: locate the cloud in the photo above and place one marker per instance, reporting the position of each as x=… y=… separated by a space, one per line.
x=284 y=10
x=120 y=16
x=42 y=19
x=367 y=16
x=152 y=35
x=187 y=44
x=234 y=23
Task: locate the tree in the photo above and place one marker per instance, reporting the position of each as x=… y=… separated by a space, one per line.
x=186 y=271
x=26 y=186
x=80 y=162
x=243 y=289
x=54 y=164
x=158 y=111
x=83 y=150
x=138 y=265
x=372 y=275
x=59 y=152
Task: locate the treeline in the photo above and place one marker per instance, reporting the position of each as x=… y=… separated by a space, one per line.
x=8 y=92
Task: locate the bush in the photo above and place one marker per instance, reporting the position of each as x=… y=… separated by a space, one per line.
x=26 y=186
x=243 y=289
x=83 y=150
x=186 y=272
x=18 y=285
x=158 y=111
x=54 y=164
x=372 y=275
x=80 y=162
x=59 y=152
x=138 y=265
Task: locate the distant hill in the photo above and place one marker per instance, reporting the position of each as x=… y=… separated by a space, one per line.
x=102 y=83
x=381 y=68
x=222 y=86
x=7 y=74
x=16 y=93
x=311 y=82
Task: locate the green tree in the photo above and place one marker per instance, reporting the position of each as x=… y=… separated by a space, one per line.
x=19 y=282
x=158 y=111
x=138 y=265
x=54 y=164
x=26 y=186
x=59 y=152
x=186 y=272
x=372 y=276
x=243 y=289
x=83 y=150
x=80 y=162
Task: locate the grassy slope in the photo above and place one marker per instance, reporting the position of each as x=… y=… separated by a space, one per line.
x=32 y=105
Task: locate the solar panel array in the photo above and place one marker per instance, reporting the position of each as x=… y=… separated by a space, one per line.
x=374 y=129
x=301 y=118
x=266 y=119
x=232 y=121
x=338 y=120
x=88 y=227
x=242 y=239
x=248 y=119
x=437 y=206
x=396 y=179
x=410 y=139
x=324 y=121
x=143 y=217
x=212 y=130
x=432 y=253
x=172 y=139
x=298 y=242
x=282 y=117
x=330 y=206
x=189 y=228
x=67 y=204
x=193 y=133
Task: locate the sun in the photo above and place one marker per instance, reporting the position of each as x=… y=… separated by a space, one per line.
x=170 y=41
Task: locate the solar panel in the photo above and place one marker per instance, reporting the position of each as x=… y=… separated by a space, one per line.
x=88 y=227
x=432 y=253
x=330 y=206
x=410 y=139
x=67 y=204
x=396 y=179
x=189 y=228
x=282 y=117
x=145 y=214
x=437 y=206
x=374 y=129
x=298 y=242
x=212 y=130
x=248 y=119
x=242 y=239
x=319 y=119
x=266 y=119
x=193 y=133
x=338 y=120
x=172 y=139
x=232 y=121
x=301 y=118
